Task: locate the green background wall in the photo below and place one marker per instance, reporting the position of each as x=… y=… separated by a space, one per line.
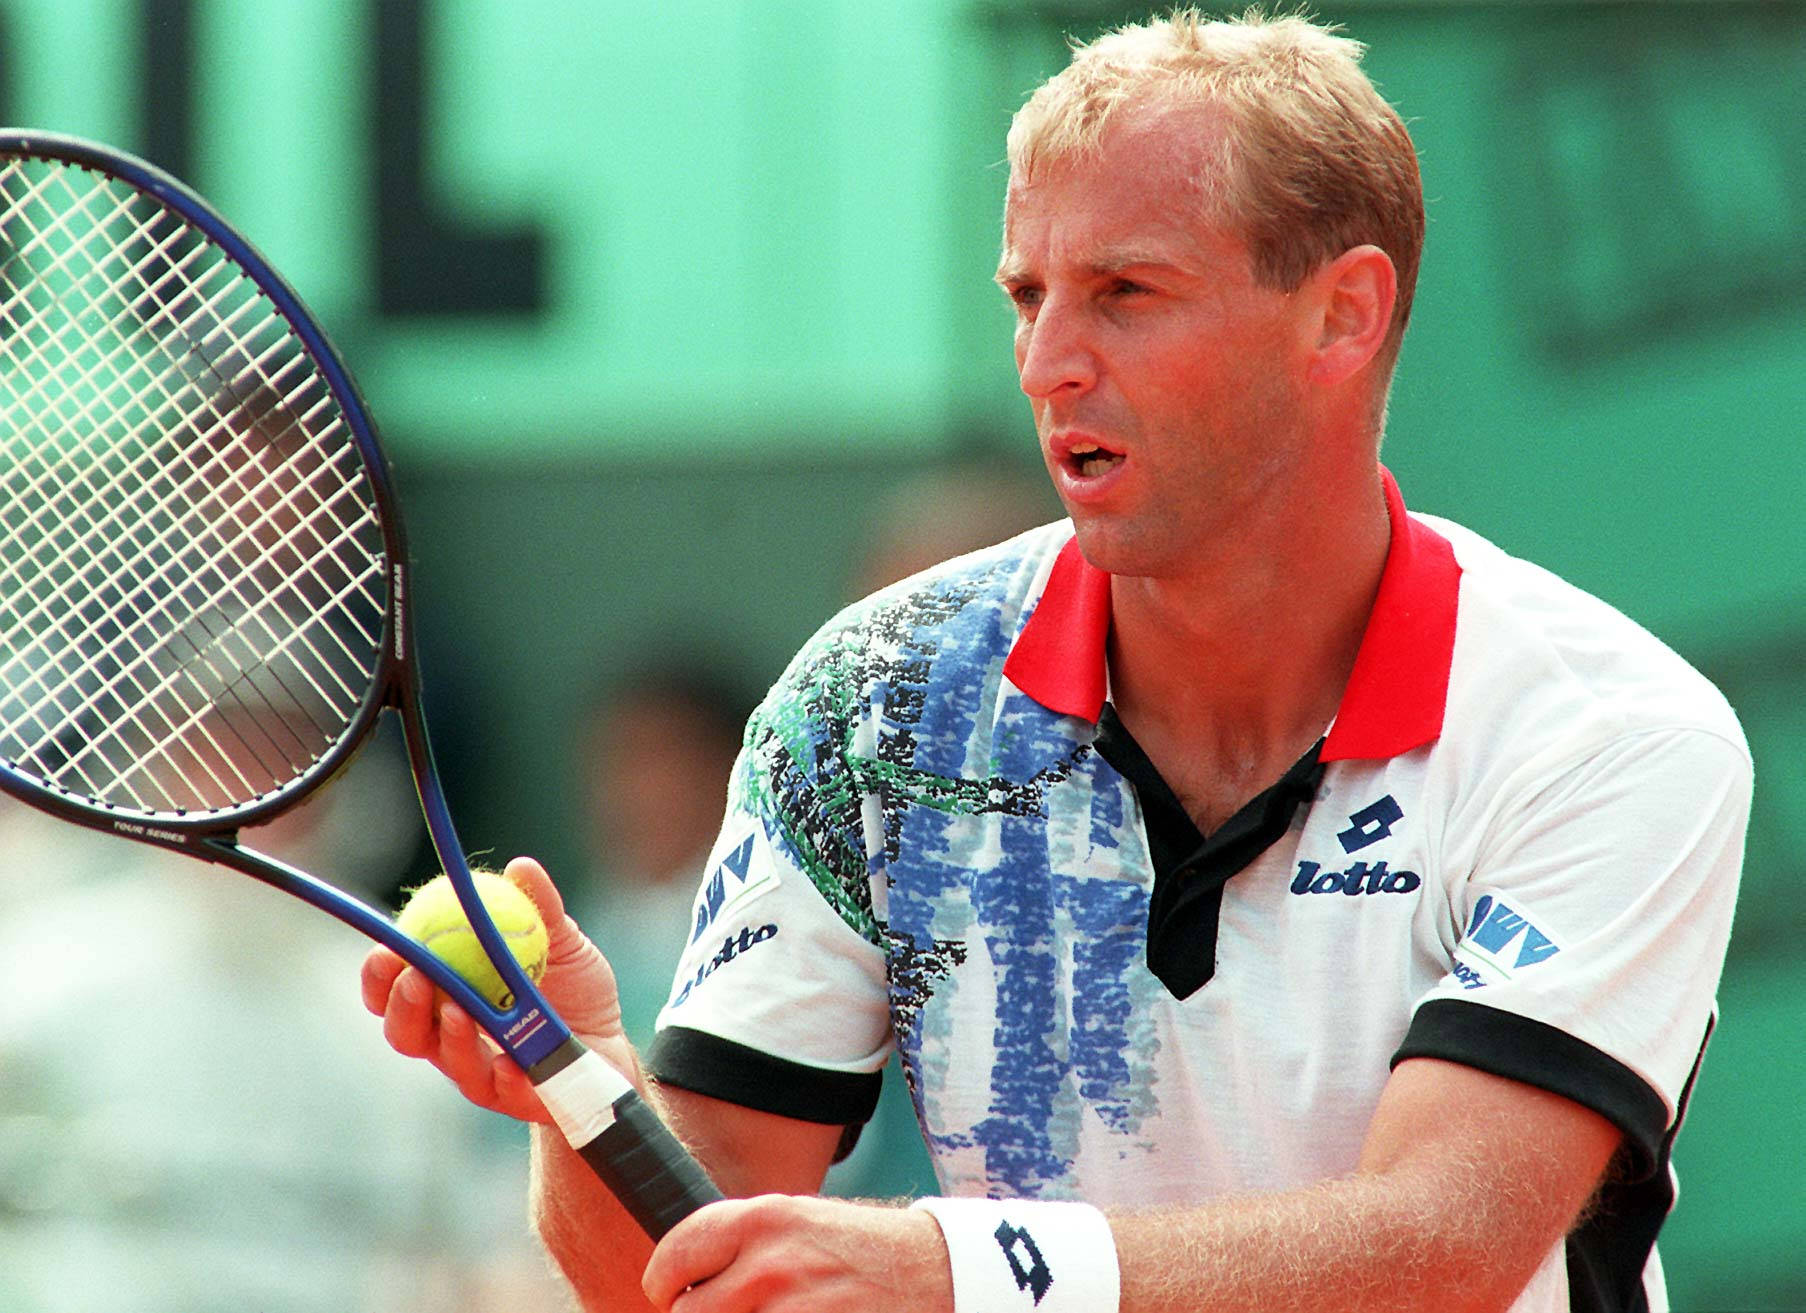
x=656 y=300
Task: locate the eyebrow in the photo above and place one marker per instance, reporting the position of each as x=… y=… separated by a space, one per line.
x=1108 y=264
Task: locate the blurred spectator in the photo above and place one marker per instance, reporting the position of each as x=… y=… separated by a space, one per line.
x=946 y=512
x=195 y=1112
x=654 y=759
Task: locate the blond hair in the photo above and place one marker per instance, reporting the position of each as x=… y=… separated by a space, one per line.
x=1312 y=160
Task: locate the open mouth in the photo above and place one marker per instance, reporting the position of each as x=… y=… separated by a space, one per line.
x=1088 y=460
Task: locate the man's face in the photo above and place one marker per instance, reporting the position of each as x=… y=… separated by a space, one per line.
x=1166 y=384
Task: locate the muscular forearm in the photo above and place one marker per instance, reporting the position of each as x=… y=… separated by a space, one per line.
x=1346 y=1246
x=1465 y=1185
x=596 y=1244
x=600 y=1249
x=594 y=1240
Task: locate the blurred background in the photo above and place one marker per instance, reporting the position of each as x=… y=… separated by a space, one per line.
x=678 y=321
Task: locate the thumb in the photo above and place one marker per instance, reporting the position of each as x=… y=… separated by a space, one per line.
x=578 y=980
x=531 y=879
x=565 y=939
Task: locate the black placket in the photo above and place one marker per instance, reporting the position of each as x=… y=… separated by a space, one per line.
x=1191 y=868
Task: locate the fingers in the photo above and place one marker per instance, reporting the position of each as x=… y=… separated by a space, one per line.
x=567 y=945
x=465 y=1057
x=514 y=1091
x=578 y=981
x=419 y=1021
x=409 y=1020
x=701 y=1246
x=377 y=978
x=787 y=1252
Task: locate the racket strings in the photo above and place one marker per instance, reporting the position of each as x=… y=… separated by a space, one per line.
x=20 y=312
x=155 y=549
x=176 y=495
x=164 y=305
x=229 y=584
x=186 y=726
x=192 y=586
x=90 y=665
x=200 y=667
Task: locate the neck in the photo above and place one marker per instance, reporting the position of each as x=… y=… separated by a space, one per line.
x=1239 y=664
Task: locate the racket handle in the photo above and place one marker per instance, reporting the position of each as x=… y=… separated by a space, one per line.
x=653 y=1176
x=622 y=1139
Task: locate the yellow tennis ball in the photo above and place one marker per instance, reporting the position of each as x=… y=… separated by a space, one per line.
x=435 y=917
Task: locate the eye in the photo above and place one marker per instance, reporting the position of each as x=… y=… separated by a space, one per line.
x=1024 y=296
x=1128 y=287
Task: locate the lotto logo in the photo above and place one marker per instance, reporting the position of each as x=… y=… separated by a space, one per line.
x=1357 y=879
x=1024 y=1257
x=732 y=947
x=1371 y=824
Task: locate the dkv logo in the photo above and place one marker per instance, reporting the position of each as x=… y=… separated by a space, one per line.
x=733 y=882
x=1500 y=942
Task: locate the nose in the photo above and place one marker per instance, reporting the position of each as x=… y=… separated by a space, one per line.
x=1053 y=353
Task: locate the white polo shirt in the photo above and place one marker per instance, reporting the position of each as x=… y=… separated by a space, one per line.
x=1516 y=848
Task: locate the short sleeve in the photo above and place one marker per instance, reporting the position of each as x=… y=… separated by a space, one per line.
x=781 y=1000
x=1594 y=929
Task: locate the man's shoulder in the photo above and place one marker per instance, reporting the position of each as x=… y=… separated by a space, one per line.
x=915 y=668
x=1533 y=647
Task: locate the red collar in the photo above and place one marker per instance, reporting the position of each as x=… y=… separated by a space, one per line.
x=1395 y=697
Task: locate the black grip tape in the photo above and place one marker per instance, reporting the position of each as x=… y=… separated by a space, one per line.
x=644 y=1166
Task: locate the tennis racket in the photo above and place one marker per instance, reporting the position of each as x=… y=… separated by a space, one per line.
x=204 y=584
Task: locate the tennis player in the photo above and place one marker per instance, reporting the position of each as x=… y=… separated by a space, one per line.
x=1279 y=899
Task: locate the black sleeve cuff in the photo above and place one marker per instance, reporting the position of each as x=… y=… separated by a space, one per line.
x=1519 y=1048
x=707 y=1064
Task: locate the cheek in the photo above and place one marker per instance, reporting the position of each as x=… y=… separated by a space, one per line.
x=1222 y=376
x=1182 y=385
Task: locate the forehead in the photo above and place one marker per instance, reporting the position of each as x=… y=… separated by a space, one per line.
x=1142 y=193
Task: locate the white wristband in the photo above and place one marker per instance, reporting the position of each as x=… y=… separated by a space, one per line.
x=1028 y=1254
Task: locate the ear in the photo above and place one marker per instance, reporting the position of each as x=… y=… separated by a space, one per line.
x=1352 y=302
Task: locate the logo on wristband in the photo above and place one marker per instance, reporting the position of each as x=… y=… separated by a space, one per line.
x=1034 y=1278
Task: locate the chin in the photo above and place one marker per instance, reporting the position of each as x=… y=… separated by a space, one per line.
x=1109 y=548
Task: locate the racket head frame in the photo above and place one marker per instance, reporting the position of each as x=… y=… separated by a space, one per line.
x=527 y=1028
